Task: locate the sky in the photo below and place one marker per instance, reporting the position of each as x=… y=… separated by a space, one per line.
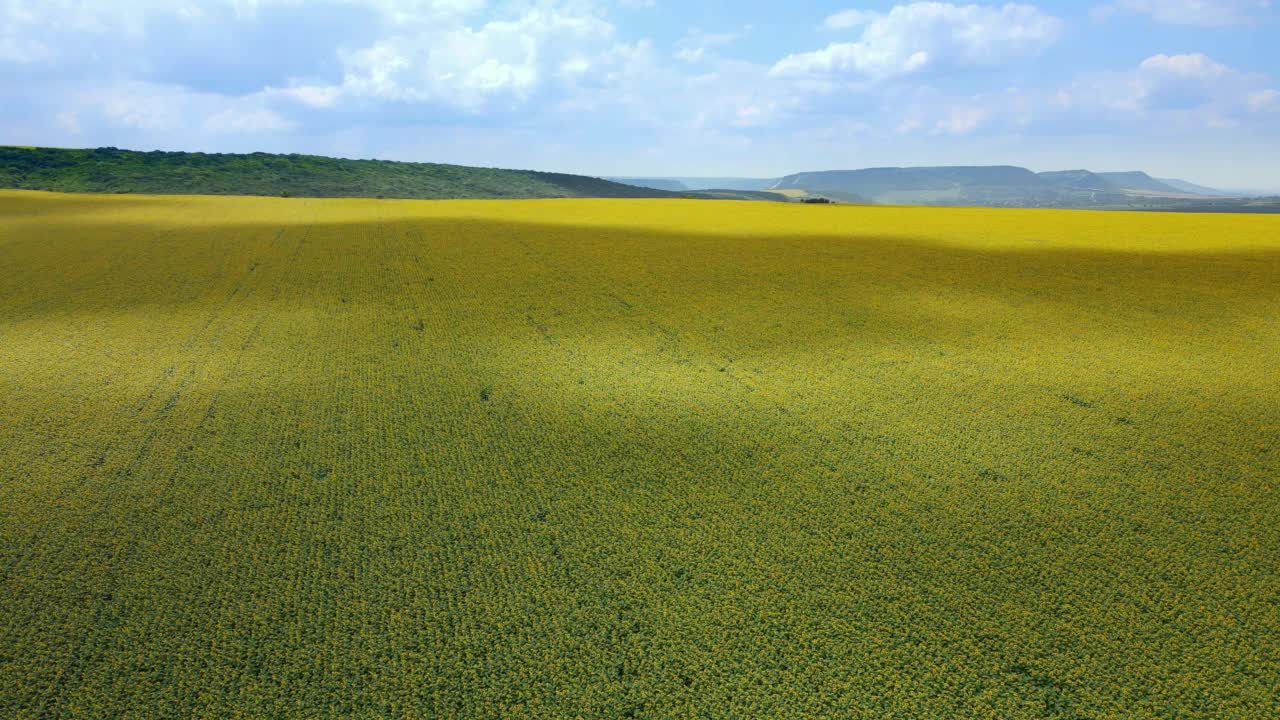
x=1179 y=88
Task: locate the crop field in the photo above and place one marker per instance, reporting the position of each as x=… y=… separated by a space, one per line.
x=298 y=458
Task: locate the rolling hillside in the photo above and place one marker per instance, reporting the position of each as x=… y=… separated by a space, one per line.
x=1136 y=181
x=108 y=170
x=1184 y=186
x=1077 y=180
x=926 y=185
x=1005 y=186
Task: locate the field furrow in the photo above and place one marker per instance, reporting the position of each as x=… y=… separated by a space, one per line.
x=263 y=457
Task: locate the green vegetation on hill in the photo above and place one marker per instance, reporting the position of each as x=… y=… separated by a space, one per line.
x=109 y=170
x=1136 y=181
x=1077 y=180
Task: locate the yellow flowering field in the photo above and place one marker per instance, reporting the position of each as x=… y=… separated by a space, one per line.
x=281 y=458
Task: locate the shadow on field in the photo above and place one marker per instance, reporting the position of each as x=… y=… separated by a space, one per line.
x=855 y=280
x=523 y=447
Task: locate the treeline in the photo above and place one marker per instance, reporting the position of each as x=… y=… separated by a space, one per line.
x=111 y=170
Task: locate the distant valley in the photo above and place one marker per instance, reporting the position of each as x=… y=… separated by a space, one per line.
x=987 y=186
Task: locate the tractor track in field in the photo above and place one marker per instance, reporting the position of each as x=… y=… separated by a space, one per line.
x=110 y=585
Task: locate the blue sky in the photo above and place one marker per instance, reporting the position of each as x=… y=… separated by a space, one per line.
x=1182 y=88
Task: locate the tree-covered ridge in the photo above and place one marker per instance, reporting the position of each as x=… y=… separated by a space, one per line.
x=110 y=170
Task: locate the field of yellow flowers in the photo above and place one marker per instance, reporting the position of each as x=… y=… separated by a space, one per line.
x=272 y=458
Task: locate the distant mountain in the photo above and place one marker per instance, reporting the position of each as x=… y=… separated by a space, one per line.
x=1137 y=181
x=108 y=170
x=1184 y=186
x=668 y=184
x=998 y=186
x=725 y=183
x=1078 y=180
x=980 y=185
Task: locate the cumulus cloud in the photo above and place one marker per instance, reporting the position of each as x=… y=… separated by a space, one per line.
x=846 y=19
x=697 y=46
x=68 y=122
x=911 y=38
x=392 y=77
x=942 y=113
x=1264 y=100
x=142 y=109
x=469 y=66
x=136 y=108
x=1192 y=89
x=246 y=121
x=313 y=96
x=1203 y=13
x=335 y=54
x=1178 y=81
x=962 y=120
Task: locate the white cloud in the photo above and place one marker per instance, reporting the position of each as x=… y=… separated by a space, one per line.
x=936 y=112
x=23 y=51
x=697 y=46
x=846 y=19
x=139 y=110
x=691 y=54
x=1204 y=13
x=158 y=110
x=1191 y=90
x=68 y=121
x=315 y=96
x=441 y=52
x=246 y=121
x=1264 y=100
x=962 y=120
x=1177 y=81
x=504 y=61
x=558 y=84
x=395 y=11
x=49 y=30
x=910 y=38
x=1196 y=66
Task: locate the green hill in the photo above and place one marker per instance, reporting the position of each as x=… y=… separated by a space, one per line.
x=109 y=170
x=1189 y=187
x=1137 y=181
x=927 y=185
x=1010 y=186
x=1078 y=180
